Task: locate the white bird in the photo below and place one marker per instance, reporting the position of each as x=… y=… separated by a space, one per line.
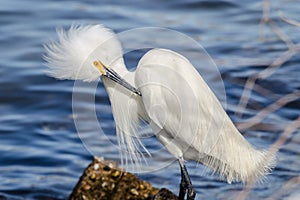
x=167 y=92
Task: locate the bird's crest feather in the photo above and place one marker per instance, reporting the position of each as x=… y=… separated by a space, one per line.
x=72 y=56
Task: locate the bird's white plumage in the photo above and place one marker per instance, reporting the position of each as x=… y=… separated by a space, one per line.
x=76 y=48
x=127 y=111
x=183 y=112
x=72 y=57
x=197 y=126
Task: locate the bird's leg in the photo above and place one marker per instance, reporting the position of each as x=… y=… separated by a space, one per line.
x=185 y=184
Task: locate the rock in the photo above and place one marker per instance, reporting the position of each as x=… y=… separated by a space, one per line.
x=103 y=180
x=164 y=194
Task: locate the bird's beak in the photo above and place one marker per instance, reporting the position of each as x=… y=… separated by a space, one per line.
x=114 y=76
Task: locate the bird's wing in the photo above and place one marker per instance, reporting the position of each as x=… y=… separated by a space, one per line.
x=189 y=120
x=178 y=102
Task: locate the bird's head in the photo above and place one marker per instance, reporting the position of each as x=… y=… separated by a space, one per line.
x=82 y=52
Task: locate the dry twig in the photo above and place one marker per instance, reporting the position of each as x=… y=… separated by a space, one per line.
x=250 y=85
x=271 y=108
x=291 y=128
x=277 y=63
x=288 y=20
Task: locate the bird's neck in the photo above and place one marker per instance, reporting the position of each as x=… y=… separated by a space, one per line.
x=119 y=67
x=120 y=97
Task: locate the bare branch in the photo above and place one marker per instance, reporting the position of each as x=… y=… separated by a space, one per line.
x=288 y=20
x=285 y=135
x=265 y=17
x=267 y=20
x=277 y=63
x=287 y=187
x=274 y=148
x=250 y=83
x=271 y=108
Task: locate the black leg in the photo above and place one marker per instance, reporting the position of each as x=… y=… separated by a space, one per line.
x=186 y=184
x=183 y=185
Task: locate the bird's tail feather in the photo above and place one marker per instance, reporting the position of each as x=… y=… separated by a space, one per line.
x=235 y=159
x=248 y=166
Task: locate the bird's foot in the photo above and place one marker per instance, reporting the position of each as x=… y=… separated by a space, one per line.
x=191 y=193
x=186 y=188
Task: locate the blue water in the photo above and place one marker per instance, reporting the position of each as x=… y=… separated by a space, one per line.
x=42 y=156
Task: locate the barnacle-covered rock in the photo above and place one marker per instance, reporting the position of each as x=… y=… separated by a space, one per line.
x=103 y=180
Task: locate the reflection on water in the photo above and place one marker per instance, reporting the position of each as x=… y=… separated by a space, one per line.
x=41 y=154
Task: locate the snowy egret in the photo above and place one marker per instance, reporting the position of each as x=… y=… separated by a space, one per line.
x=167 y=92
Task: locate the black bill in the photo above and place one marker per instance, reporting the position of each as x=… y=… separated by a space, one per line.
x=114 y=76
